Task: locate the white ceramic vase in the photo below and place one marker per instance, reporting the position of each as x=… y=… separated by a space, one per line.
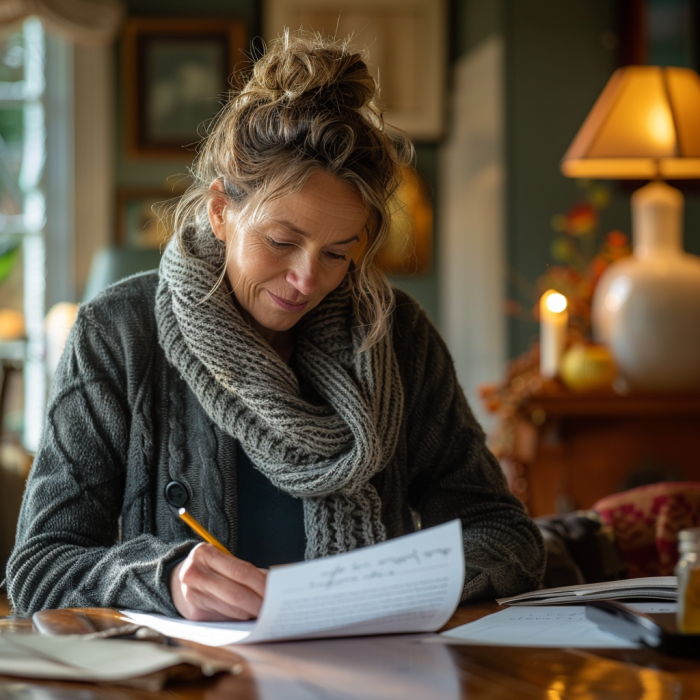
x=646 y=308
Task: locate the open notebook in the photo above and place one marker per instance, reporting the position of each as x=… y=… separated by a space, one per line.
x=662 y=588
x=409 y=584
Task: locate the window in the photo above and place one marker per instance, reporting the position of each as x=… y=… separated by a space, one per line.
x=23 y=213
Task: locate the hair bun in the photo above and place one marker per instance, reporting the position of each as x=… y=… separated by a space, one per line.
x=306 y=70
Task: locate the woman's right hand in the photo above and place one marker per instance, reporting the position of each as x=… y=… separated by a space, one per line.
x=210 y=585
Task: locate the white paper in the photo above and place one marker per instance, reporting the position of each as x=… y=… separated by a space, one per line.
x=409 y=584
x=546 y=626
x=39 y=656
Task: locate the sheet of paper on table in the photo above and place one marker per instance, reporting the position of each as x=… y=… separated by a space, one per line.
x=74 y=658
x=545 y=626
x=408 y=584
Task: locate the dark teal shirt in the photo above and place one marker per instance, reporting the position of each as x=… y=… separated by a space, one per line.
x=270 y=521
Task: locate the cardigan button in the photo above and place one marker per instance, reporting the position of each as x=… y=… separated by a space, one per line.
x=176 y=494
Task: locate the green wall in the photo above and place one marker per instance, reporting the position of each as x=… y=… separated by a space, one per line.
x=556 y=66
x=472 y=21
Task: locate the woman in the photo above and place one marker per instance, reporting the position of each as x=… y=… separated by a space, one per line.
x=285 y=394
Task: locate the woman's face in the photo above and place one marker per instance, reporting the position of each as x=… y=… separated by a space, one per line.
x=298 y=255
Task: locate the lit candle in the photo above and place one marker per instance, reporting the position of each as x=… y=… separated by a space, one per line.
x=554 y=319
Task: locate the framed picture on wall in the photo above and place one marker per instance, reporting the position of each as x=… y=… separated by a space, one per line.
x=407 y=45
x=176 y=75
x=139 y=225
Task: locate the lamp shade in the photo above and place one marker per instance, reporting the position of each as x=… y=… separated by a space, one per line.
x=644 y=125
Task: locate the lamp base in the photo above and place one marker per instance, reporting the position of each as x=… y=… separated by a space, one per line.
x=646 y=308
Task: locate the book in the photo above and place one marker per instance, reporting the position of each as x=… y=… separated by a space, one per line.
x=662 y=588
x=409 y=584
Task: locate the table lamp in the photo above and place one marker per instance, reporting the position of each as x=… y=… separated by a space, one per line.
x=646 y=125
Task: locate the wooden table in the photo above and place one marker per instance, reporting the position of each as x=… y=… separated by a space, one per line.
x=396 y=667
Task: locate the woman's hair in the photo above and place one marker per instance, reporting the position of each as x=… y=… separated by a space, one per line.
x=309 y=105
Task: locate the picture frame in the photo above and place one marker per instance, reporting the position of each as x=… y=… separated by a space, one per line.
x=138 y=225
x=407 y=45
x=176 y=73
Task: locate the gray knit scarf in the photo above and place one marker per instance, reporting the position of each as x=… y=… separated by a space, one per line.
x=324 y=454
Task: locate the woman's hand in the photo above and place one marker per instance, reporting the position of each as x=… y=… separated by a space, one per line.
x=211 y=585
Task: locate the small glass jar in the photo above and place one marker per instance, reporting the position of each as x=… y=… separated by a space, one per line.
x=688 y=572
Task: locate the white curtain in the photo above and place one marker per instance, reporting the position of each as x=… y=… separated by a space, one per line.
x=85 y=22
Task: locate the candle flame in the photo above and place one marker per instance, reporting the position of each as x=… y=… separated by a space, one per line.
x=556 y=302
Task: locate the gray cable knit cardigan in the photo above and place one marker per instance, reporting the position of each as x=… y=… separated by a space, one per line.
x=96 y=530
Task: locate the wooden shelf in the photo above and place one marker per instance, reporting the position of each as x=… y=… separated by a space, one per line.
x=558 y=402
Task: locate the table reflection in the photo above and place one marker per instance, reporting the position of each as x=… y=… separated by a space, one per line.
x=376 y=668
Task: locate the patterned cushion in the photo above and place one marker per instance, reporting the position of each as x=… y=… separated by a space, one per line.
x=645 y=522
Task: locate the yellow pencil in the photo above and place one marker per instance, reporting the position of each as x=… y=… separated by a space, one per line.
x=202 y=532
